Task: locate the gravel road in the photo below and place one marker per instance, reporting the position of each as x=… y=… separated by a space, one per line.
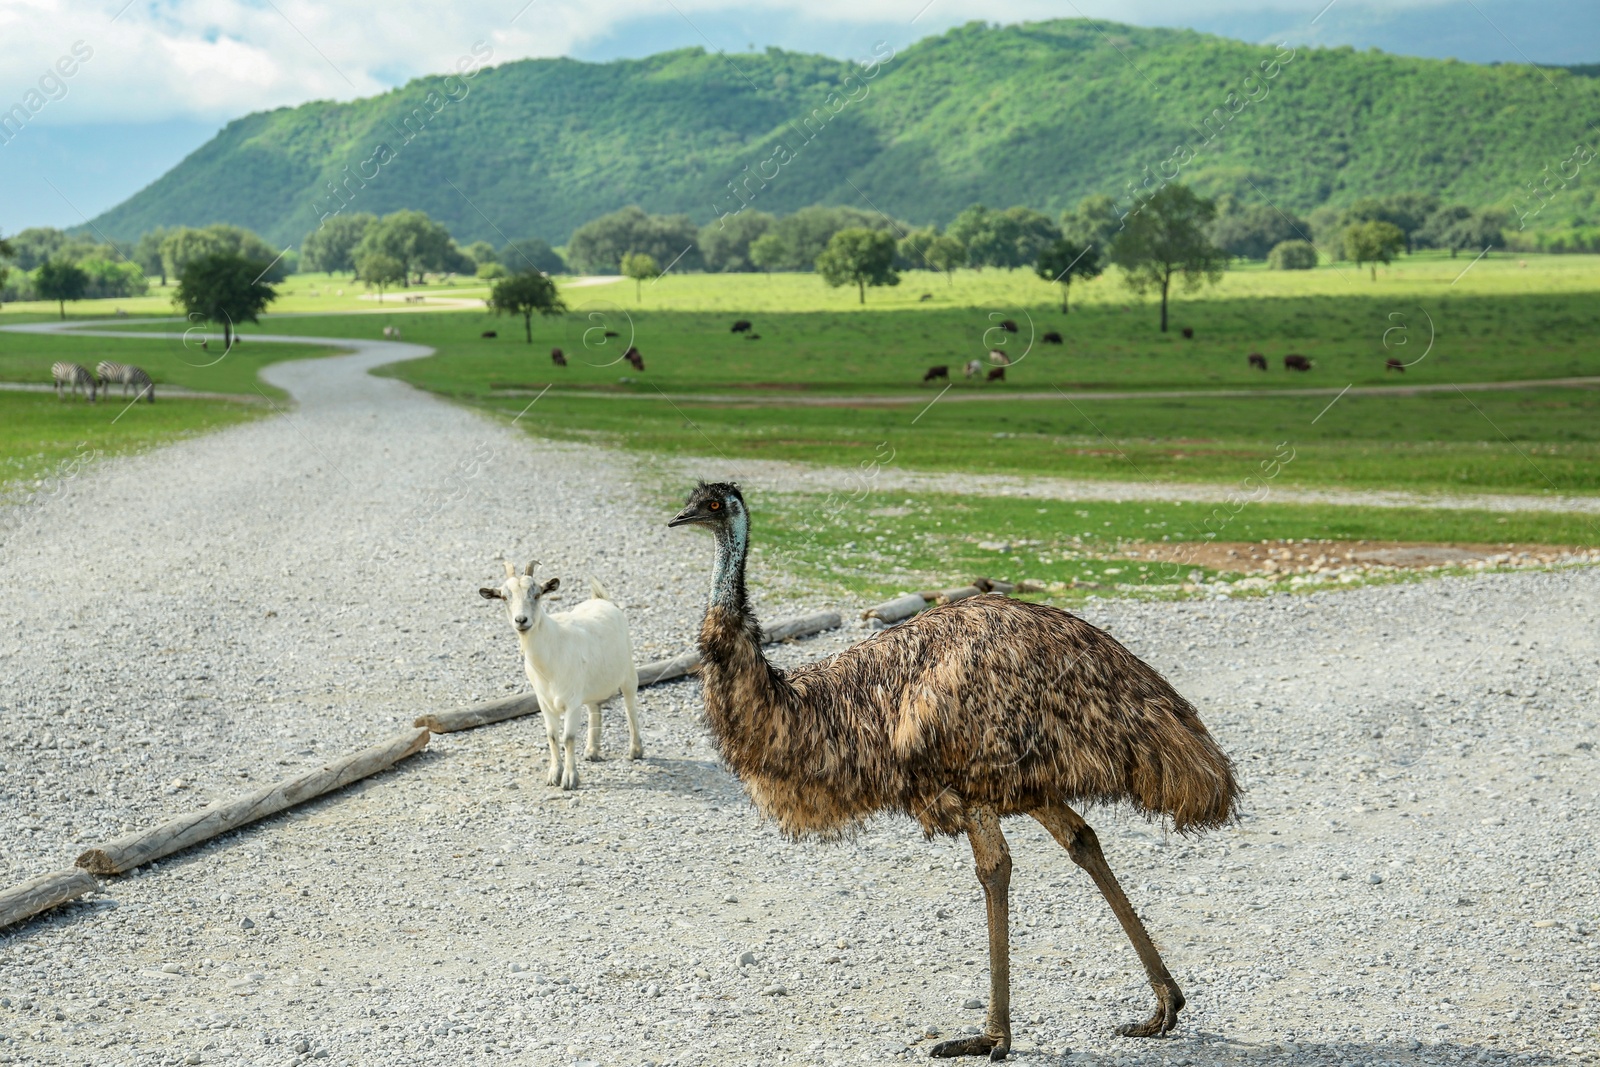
x=1414 y=880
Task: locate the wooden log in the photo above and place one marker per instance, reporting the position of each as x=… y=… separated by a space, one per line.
x=1030 y=587
x=803 y=626
x=902 y=607
x=664 y=670
x=446 y=722
x=950 y=596
x=132 y=850
x=46 y=891
x=991 y=585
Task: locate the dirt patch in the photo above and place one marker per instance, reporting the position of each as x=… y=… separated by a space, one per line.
x=1314 y=557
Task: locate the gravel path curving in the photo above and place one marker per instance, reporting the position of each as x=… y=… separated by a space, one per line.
x=1414 y=881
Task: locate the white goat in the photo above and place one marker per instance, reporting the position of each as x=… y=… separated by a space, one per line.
x=574 y=660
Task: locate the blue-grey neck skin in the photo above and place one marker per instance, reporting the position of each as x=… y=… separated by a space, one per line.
x=733 y=541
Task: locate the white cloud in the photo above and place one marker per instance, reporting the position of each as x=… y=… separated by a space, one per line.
x=217 y=59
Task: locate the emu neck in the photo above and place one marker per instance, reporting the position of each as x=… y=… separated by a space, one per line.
x=727 y=580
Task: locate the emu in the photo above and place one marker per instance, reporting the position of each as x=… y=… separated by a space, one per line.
x=941 y=371
x=742 y=326
x=558 y=357
x=996 y=374
x=1393 y=364
x=1051 y=337
x=973 y=367
x=129 y=377
x=74 y=376
x=1294 y=362
x=574 y=660
x=969 y=713
x=1258 y=361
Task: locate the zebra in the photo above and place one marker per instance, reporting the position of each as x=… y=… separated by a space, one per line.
x=74 y=376
x=128 y=376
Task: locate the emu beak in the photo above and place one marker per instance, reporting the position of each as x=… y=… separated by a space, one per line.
x=684 y=517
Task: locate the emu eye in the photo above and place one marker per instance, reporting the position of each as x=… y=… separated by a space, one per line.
x=716 y=505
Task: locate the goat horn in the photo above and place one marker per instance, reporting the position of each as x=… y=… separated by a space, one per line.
x=511 y=570
x=532 y=566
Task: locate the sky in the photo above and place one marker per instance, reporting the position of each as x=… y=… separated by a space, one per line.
x=152 y=80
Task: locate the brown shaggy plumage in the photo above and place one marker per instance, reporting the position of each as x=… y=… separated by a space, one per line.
x=966 y=714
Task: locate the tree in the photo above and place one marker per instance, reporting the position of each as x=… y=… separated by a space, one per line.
x=481 y=252
x=641 y=267
x=804 y=235
x=725 y=244
x=1251 y=231
x=418 y=242
x=380 y=269
x=6 y=252
x=1409 y=212
x=1065 y=260
x=332 y=246
x=1292 y=255
x=147 y=253
x=1096 y=221
x=492 y=271
x=523 y=294
x=859 y=255
x=224 y=288
x=768 y=252
x=1372 y=242
x=531 y=253
x=597 y=247
x=184 y=244
x=1164 y=238
x=1459 y=228
x=945 y=253
x=60 y=281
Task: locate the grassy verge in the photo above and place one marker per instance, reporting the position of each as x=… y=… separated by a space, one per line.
x=878 y=544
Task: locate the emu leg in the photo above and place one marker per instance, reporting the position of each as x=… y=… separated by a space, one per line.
x=1076 y=836
x=993 y=861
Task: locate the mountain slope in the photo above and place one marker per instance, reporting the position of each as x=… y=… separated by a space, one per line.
x=1038 y=113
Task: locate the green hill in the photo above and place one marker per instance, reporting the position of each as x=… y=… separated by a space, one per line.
x=1041 y=114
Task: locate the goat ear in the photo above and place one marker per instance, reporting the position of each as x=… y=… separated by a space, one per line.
x=491 y=594
x=550 y=587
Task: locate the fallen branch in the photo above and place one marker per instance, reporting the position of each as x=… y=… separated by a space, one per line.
x=446 y=722
x=664 y=670
x=902 y=607
x=803 y=626
x=44 y=892
x=132 y=850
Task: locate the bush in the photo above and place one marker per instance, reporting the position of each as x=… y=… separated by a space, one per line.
x=1292 y=255
x=491 y=271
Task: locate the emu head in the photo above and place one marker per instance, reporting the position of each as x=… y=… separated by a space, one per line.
x=717 y=505
x=523 y=595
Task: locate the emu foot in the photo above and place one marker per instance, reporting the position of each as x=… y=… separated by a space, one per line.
x=1168 y=1003
x=977 y=1045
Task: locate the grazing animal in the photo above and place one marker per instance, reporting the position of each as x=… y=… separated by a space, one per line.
x=974 y=367
x=752 y=337
x=999 y=358
x=1258 y=360
x=925 y=296
x=127 y=376
x=941 y=371
x=74 y=376
x=558 y=357
x=1008 y=326
x=1188 y=333
x=1393 y=364
x=612 y=333
x=574 y=660
x=1051 y=337
x=997 y=374
x=742 y=326
x=966 y=714
x=634 y=358
x=1294 y=362
x=486 y=334
x=392 y=333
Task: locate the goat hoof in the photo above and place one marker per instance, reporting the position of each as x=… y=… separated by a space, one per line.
x=636 y=753
x=593 y=757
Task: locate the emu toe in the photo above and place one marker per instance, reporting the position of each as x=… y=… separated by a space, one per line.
x=978 y=1045
x=1161 y=1021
